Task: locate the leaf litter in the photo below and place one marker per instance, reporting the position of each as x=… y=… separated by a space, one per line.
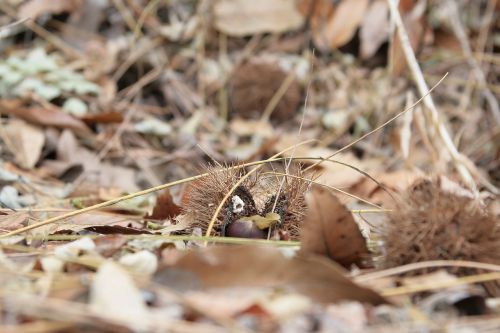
x=182 y=166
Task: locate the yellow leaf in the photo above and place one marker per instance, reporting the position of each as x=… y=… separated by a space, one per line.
x=263 y=222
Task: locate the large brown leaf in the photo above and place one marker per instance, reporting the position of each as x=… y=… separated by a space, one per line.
x=255 y=266
x=329 y=229
x=335 y=26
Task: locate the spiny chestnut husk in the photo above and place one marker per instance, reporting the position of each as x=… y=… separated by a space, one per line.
x=254 y=197
x=253 y=85
x=437 y=219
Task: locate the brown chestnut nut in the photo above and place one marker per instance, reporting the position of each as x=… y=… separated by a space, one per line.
x=245 y=229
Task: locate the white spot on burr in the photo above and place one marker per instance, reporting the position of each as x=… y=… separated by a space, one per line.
x=238 y=204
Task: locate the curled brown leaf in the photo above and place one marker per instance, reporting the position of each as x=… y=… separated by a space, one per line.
x=256 y=266
x=329 y=229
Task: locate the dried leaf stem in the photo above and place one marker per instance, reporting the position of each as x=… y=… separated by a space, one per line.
x=424 y=265
x=4 y=30
x=211 y=239
x=411 y=289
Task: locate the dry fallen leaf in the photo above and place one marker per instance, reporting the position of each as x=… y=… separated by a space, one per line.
x=109 y=244
x=36 y=8
x=329 y=229
x=374 y=28
x=114 y=295
x=104 y=174
x=341 y=26
x=102 y=222
x=25 y=142
x=393 y=183
x=142 y=262
x=240 y=266
x=242 y=17
x=13 y=221
x=69 y=150
x=41 y=116
x=338 y=174
x=254 y=302
x=165 y=207
x=219 y=303
x=346 y=317
x=319 y=12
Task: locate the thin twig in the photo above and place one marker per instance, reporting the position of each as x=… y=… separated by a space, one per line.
x=173 y=238
x=5 y=30
x=433 y=285
x=126 y=15
x=424 y=265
